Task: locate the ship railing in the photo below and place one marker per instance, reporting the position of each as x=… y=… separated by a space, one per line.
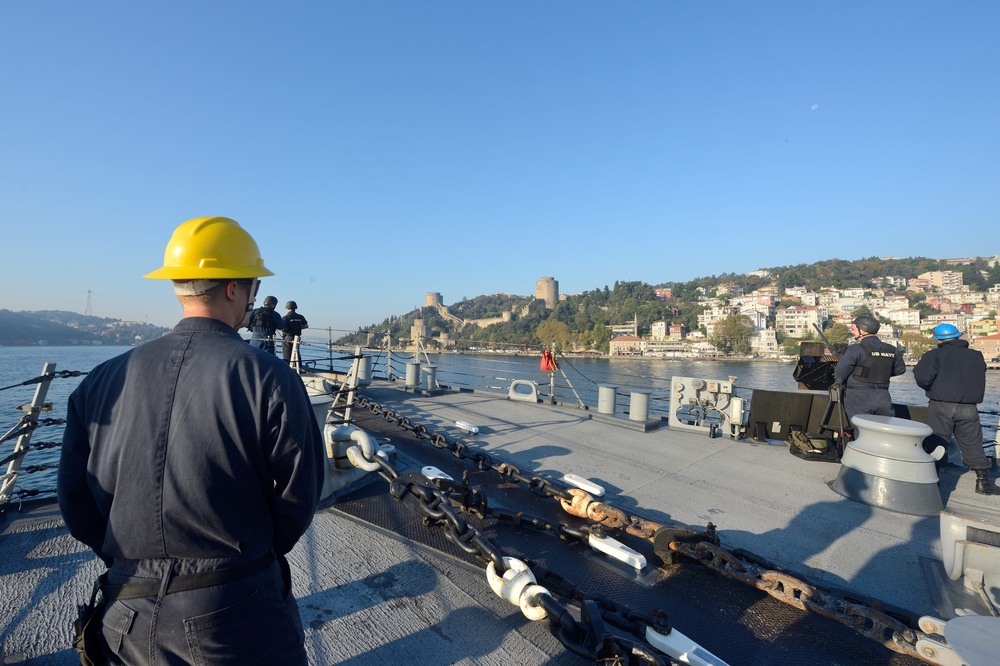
x=22 y=432
x=493 y=373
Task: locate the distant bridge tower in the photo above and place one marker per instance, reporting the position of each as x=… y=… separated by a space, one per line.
x=547 y=289
x=88 y=312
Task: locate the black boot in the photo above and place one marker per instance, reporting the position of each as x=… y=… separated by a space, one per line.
x=983 y=484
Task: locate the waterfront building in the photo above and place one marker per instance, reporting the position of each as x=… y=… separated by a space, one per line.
x=764 y=343
x=625 y=345
x=665 y=348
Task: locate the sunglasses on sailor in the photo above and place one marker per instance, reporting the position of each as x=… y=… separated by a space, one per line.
x=254 y=285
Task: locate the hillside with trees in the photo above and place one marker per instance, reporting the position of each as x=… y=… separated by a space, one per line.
x=61 y=328
x=582 y=320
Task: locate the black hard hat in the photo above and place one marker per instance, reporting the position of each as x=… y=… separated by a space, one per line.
x=291 y=305
x=270 y=301
x=867 y=323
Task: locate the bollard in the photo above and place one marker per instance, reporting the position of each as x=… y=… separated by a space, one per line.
x=429 y=375
x=365 y=370
x=412 y=375
x=607 y=399
x=886 y=466
x=638 y=408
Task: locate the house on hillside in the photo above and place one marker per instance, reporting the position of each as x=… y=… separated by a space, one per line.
x=989 y=345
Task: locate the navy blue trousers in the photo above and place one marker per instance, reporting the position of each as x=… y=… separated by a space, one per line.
x=254 y=620
x=962 y=420
x=867 y=401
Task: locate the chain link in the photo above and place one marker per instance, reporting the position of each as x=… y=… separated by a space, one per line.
x=537 y=484
x=440 y=502
x=865 y=620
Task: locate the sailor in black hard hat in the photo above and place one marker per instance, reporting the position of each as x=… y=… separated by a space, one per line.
x=264 y=321
x=865 y=368
x=294 y=323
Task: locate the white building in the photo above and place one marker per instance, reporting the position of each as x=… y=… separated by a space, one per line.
x=907 y=318
x=764 y=343
x=798 y=321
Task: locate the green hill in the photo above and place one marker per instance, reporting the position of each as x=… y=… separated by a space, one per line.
x=61 y=328
x=584 y=318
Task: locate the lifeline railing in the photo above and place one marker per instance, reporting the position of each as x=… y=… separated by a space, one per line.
x=23 y=430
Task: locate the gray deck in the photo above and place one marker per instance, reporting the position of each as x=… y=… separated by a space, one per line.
x=759 y=496
x=366 y=598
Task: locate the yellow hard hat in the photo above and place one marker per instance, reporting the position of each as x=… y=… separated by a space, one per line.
x=210 y=248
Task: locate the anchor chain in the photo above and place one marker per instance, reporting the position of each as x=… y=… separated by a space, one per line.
x=865 y=620
x=483 y=461
x=440 y=503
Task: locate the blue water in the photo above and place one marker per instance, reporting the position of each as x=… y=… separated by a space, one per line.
x=484 y=371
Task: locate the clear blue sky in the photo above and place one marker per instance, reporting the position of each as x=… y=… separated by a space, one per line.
x=381 y=150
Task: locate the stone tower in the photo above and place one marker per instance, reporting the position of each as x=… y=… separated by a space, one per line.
x=547 y=289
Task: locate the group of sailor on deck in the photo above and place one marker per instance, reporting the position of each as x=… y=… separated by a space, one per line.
x=953 y=376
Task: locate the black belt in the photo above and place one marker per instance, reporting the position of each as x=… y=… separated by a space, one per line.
x=184 y=583
x=867 y=386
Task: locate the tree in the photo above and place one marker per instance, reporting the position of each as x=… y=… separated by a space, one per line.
x=553 y=330
x=598 y=338
x=917 y=344
x=838 y=334
x=791 y=346
x=733 y=334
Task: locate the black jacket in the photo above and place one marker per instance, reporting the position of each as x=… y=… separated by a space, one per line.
x=952 y=373
x=192 y=446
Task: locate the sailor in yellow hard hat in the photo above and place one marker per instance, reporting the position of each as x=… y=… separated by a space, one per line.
x=191 y=465
x=206 y=252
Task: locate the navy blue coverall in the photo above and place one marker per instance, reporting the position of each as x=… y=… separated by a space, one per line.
x=191 y=453
x=863 y=396
x=264 y=321
x=954 y=378
x=294 y=324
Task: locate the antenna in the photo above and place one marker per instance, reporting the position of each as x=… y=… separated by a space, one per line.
x=88 y=312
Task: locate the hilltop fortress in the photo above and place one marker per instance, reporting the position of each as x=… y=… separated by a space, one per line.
x=546 y=289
